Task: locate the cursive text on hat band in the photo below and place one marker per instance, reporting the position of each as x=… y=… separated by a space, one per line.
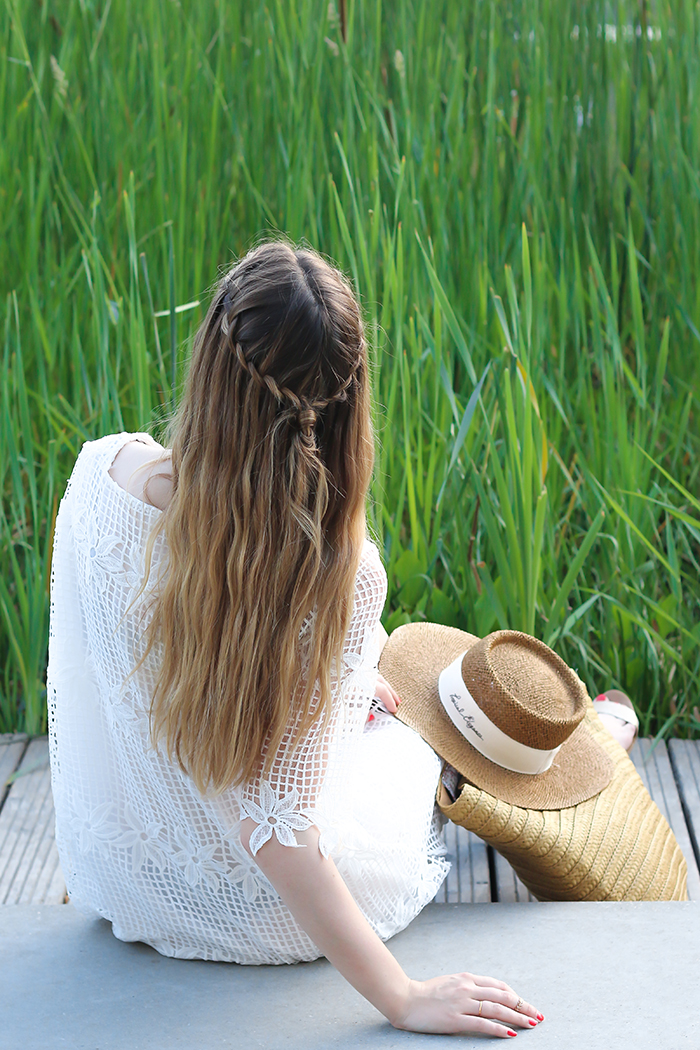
x=478 y=729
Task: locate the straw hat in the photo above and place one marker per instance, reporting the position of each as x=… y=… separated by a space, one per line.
x=583 y=829
x=505 y=711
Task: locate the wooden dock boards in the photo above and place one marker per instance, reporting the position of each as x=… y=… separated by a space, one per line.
x=12 y=747
x=29 y=868
x=30 y=871
x=468 y=881
x=654 y=767
x=685 y=759
x=509 y=888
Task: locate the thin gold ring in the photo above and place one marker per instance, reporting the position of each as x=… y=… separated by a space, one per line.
x=480 y=1008
x=518 y=1005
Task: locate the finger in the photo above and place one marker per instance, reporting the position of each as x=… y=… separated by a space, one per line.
x=384 y=693
x=508 y=999
x=483 y=1026
x=393 y=695
x=497 y=1012
x=392 y=692
x=388 y=701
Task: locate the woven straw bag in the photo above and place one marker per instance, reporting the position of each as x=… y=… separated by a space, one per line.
x=615 y=846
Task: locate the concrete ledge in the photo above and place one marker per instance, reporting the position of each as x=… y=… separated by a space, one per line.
x=606 y=976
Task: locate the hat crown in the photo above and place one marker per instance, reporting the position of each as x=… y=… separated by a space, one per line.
x=524 y=688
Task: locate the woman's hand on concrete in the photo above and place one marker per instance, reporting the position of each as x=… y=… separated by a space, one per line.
x=450 y=1005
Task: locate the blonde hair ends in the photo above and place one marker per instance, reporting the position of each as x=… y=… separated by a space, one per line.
x=272 y=455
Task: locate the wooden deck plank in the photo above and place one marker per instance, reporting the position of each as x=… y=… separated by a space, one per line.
x=18 y=818
x=48 y=885
x=654 y=767
x=468 y=879
x=685 y=759
x=451 y=884
x=509 y=888
x=12 y=747
x=474 y=867
x=40 y=850
x=54 y=890
x=28 y=856
x=16 y=812
x=442 y=895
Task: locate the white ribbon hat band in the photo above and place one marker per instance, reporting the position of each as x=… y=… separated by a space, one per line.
x=478 y=729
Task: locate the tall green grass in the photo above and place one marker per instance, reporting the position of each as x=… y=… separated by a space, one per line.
x=514 y=190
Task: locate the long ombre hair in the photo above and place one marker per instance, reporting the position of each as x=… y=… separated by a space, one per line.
x=272 y=455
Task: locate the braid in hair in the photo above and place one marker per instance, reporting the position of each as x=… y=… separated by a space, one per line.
x=301 y=410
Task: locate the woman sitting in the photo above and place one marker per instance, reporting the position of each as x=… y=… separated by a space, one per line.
x=221 y=791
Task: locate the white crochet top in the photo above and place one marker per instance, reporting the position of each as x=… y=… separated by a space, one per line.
x=138 y=843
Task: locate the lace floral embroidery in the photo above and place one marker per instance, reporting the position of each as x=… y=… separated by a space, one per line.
x=143 y=837
x=275 y=813
x=197 y=861
x=92 y=826
x=127 y=713
x=104 y=556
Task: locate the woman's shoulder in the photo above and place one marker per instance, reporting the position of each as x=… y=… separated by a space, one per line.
x=143 y=468
x=370 y=554
x=371 y=578
x=95 y=448
x=96 y=451
x=92 y=482
x=97 y=455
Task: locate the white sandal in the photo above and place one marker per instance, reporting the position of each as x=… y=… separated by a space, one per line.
x=616 y=703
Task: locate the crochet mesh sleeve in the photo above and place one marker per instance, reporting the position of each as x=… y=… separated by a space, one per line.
x=288 y=797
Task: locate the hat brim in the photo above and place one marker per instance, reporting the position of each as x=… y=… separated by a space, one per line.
x=412 y=660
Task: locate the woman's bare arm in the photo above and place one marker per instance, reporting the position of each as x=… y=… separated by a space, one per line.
x=313 y=890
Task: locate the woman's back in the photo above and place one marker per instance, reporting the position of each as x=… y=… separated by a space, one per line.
x=138 y=841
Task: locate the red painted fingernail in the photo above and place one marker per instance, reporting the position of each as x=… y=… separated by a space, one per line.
x=540 y=1017
x=511 y=1033
x=531 y=1022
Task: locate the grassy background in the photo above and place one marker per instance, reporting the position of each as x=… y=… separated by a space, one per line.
x=514 y=189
